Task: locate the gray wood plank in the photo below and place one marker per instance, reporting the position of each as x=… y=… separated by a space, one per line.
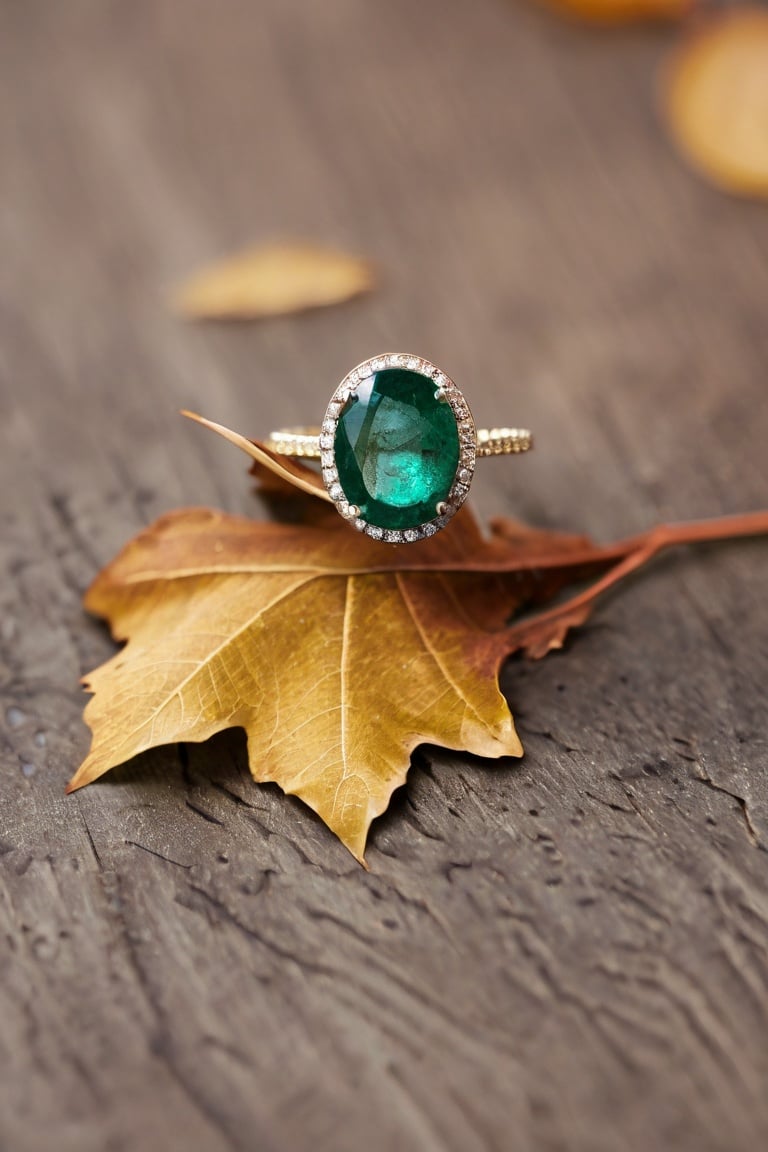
x=567 y=953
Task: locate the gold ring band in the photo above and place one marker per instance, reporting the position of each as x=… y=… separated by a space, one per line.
x=304 y=441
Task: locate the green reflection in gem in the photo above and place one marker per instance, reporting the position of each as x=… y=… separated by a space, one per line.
x=396 y=448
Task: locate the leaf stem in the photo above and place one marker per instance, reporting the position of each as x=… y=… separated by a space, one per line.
x=547 y=629
x=692 y=532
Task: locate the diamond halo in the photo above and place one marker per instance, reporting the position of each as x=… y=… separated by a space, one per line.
x=465 y=469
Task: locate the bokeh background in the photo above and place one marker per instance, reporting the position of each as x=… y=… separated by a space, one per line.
x=564 y=955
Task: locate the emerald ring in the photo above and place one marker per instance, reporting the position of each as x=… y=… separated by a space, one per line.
x=398 y=447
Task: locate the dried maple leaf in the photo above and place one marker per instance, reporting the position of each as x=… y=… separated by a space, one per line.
x=716 y=100
x=273 y=281
x=622 y=11
x=337 y=654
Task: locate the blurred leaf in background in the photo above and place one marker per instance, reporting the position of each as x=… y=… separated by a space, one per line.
x=274 y=280
x=716 y=99
x=622 y=11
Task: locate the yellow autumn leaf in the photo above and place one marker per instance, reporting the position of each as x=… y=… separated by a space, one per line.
x=337 y=654
x=272 y=281
x=335 y=658
x=716 y=100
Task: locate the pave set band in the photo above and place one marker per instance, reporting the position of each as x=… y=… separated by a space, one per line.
x=304 y=442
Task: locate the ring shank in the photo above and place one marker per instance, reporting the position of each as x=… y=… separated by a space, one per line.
x=304 y=442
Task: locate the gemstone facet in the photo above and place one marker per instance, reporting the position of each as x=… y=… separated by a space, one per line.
x=396 y=448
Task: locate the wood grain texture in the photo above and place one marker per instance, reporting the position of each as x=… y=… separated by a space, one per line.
x=563 y=954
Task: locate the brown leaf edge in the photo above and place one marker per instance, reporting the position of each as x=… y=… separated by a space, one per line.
x=539 y=634
x=284 y=467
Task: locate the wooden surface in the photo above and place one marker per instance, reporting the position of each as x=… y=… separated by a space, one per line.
x=563 y=954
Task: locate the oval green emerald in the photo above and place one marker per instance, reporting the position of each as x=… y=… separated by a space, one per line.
x=397 y=448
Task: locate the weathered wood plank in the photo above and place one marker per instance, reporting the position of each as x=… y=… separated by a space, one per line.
x=567 y=953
